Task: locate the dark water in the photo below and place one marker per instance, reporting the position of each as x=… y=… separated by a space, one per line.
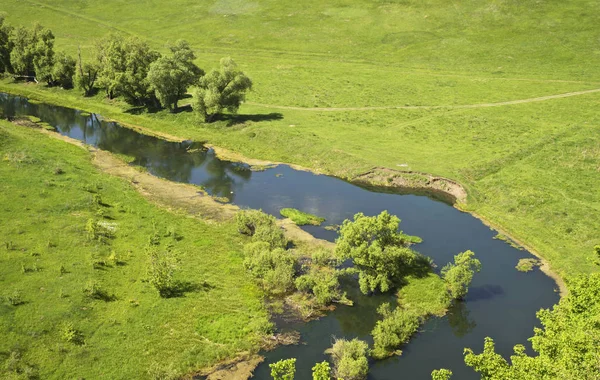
x=501 y=302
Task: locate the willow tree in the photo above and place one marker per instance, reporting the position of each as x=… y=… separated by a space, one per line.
x=223 y=88
x=6 y=46
x=458 y=275
x=378 y=250
x=170 y=77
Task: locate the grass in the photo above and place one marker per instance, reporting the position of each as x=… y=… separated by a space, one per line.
x=426 y=296
x=75 y=307
x=530 y=168
x=301 y=218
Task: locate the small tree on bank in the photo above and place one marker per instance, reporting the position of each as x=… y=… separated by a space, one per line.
x=221 y=89
x=458 y=275
x=170 y=77
x=350 y=359
x=321 y=371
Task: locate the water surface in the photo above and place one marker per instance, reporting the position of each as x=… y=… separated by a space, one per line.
x=501 y=303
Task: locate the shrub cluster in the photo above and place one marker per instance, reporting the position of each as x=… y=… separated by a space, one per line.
x=393 y=330
x=350 y=359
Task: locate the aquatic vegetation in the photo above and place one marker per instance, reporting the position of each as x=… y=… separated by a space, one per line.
x=301 y=218
x=527 y=265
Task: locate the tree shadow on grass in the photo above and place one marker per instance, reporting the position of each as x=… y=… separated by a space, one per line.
x=234 y=119
x=181 y=288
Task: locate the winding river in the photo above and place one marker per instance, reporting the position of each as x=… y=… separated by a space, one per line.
x=501 y=303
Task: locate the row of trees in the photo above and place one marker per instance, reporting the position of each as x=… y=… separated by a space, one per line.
x=124 y=67
x=29 y=53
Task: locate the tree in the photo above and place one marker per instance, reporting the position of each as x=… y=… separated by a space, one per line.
x=86 y=75
x=111 y=61
x=283 y=369
x=63 y=70
x=220 y=89
x=274 y=267
x=43 y=53
x=566 y=347
x=458 y=275
x=441 y=374
x=379 y=252
x=321 y=371
x=124 y=65
x=170 y=77
x=6 y=45
x=134 y=84
x=350 y=359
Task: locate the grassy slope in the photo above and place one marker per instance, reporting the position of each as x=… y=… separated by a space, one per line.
x=43 y=217
x=531 y=168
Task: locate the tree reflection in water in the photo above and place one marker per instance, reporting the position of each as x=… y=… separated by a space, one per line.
x=459 y=320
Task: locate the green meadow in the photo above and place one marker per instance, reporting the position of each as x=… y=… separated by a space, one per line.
x=530 y=168
x=49 y=191
x=471 y=90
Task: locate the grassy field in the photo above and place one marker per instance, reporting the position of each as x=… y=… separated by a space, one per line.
x=531 y=168
x=47 y=195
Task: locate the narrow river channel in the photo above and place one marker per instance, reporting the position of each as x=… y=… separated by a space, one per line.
x=501 y=303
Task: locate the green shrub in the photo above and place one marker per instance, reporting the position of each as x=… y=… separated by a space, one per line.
x=70 y=334
x=275 y=268
x=94 y=291
x=323 y=257
x=283 y=369
x=350 y=359
x=99 y=230
x=393 y=330
x=161 y=270
x=249 y=220
x=321 y=371
x=301 y=218
x=322 y=283
x=271 y=234
x=441 y=374
x=15 y=298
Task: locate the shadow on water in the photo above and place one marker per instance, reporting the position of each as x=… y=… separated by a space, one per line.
x=502 y=302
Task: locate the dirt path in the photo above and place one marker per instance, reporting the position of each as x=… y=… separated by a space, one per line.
x=463 y=106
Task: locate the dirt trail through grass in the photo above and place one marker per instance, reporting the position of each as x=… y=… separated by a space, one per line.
x=463 y=106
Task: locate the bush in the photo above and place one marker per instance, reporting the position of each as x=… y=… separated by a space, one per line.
x=321 y=371
x=276 y=268
x=94 y=291
x=283 y=369
x=322 y=283
x=393 y=330
x=350 y=359
x=249 y=220
x=272 y=235
x=323 y=257
x=70 y=334
x=161 y=270
x=15 y=298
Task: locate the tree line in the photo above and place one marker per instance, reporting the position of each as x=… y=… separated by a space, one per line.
x=125 y=67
